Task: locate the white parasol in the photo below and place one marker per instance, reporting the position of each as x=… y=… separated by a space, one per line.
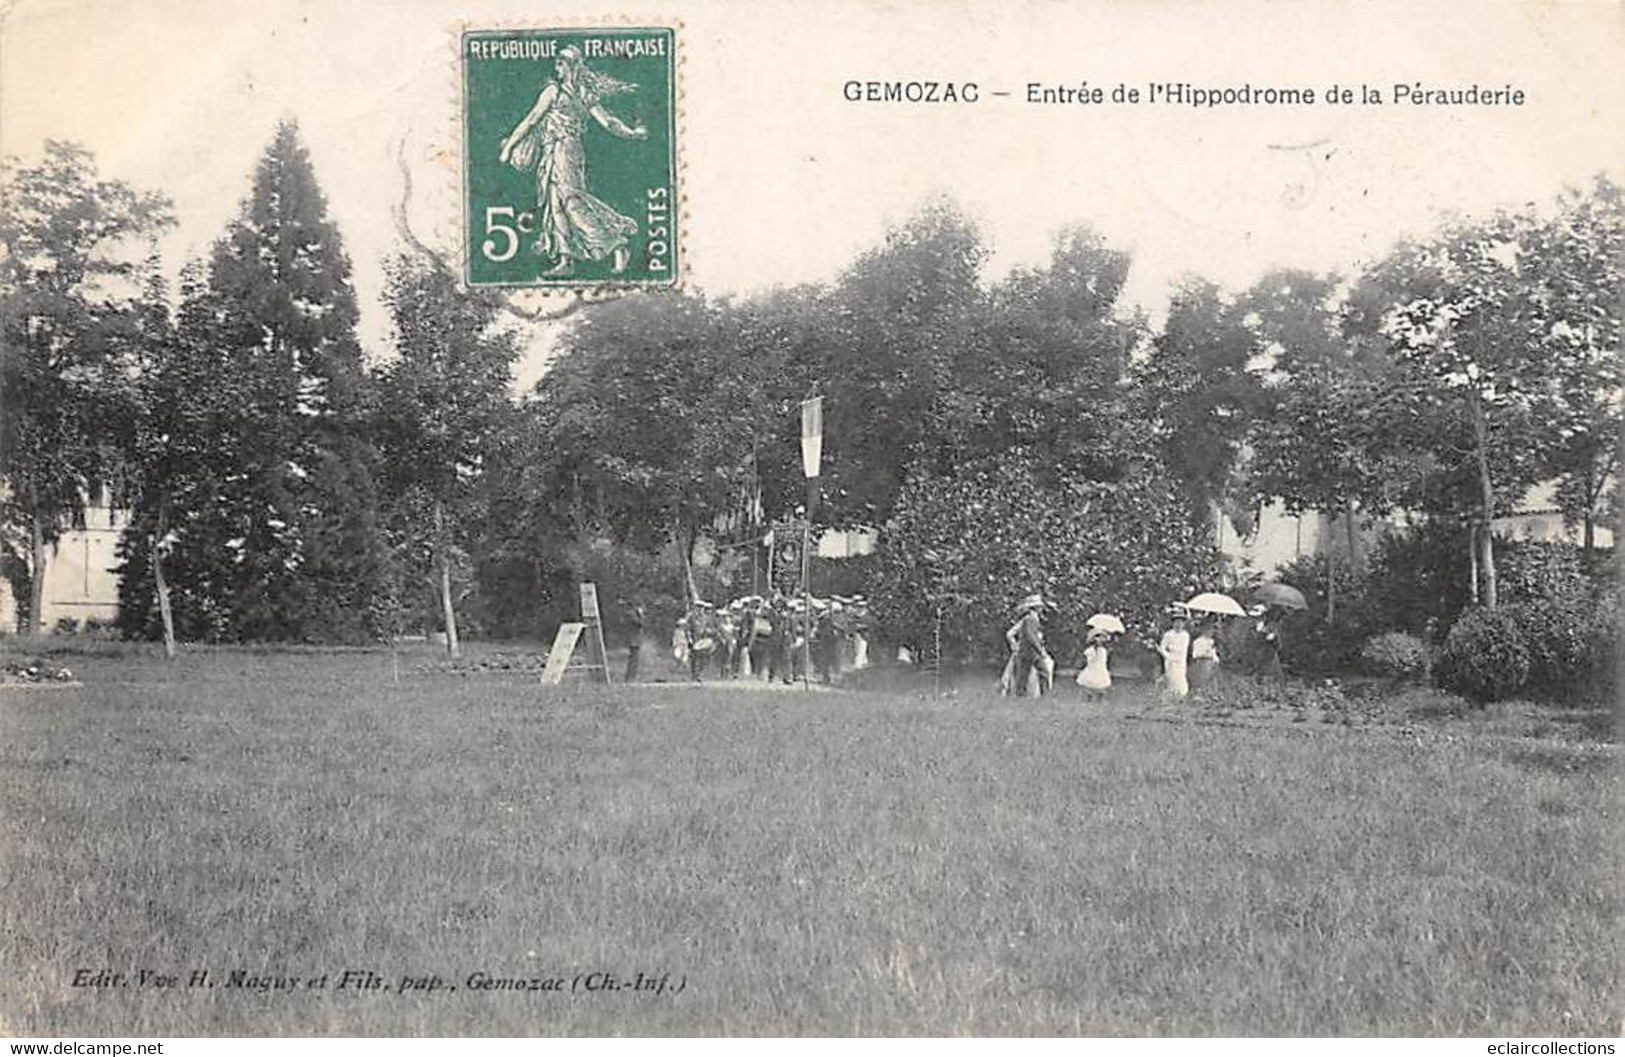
x=1108 y=622
x=1214 y=602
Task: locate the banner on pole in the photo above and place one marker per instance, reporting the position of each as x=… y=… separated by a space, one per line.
x=812 y=435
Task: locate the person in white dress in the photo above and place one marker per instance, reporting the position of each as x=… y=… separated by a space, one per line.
x=1096 y=677
x=1204 y=657
x=1175 y=650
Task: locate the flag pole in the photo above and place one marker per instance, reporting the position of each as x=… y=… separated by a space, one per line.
x=812 y=450
x=806 y=597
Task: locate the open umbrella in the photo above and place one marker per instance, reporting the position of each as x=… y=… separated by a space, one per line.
x=1106 y=622
x=1280 y=595
x=1213 y=602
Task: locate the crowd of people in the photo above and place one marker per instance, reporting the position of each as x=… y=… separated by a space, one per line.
x=1187 y=652
x=787 y=638
x=767 y=638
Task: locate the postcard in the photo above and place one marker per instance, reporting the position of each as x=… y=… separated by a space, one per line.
x=724 y=518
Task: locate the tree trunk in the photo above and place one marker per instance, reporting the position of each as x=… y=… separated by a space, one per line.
x=447 y=610
x=1331 y=580
x=1486 y=564
x=685 y=545
x=1354 y=539
x=1472 y=564
x=36 y=578
x=1589 y=531
x=1486 y=488
x=161 y=587
x=453 y=646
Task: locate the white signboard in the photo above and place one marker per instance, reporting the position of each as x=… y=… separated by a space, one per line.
x=558 y=658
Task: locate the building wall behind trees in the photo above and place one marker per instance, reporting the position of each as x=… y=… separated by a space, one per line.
x=80 y=581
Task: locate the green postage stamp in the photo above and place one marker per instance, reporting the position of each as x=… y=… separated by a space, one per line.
x=570 y=157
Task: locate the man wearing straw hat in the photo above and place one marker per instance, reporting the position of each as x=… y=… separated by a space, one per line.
x=1031 y=668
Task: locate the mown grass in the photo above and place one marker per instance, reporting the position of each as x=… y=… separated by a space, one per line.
x=810 y=864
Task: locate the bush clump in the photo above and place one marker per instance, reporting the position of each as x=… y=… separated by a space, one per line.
x=1326 y=638
x=1557 y=634
x=973 y=542
x=1395 y=654
x=1486 y=656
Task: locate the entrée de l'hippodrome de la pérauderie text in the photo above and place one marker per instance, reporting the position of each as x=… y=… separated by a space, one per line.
x=1183 y=93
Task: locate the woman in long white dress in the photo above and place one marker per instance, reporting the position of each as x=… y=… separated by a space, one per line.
x=1204 y=657
x=1175 y=649
x=573 y=225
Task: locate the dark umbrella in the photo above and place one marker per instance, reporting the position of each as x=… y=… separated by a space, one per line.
x=1280 y=595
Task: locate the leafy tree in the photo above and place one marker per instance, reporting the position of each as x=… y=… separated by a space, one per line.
x=159 y=461
x=1322 y=445
x=646 y=424
x=443 y=409
x=1199 y=389
x=901 y=322
x=1576 y=262
x=1466 y=317
x=1044 y=367
x=185 y=468
x=65 y=310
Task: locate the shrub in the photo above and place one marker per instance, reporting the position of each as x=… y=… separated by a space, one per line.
x=1418 y=579
x=979 y=539
x=1485 y=657
x=1241 y=648
x=1557 y=633
x=1573 y=646
x=1604 y=651
x=67 y=626
x=1541 y=571
x=1310 y=644
x=1395 y=654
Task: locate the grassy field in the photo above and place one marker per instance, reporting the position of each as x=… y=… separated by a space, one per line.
x=824 y=863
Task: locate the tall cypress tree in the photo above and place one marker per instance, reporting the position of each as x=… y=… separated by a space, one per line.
x=305 y=549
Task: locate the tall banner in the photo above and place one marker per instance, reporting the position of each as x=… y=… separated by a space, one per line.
x=812 y=435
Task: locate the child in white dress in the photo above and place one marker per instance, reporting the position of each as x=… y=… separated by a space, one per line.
x=1096 y=677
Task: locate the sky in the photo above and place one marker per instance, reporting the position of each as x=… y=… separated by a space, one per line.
x=785 y=180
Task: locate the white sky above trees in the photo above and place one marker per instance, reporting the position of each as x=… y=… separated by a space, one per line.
x=786 y=180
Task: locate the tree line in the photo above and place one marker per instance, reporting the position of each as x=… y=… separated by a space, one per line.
x=1032 y=429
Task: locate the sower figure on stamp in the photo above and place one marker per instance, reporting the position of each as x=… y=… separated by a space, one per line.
x=573 y=224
